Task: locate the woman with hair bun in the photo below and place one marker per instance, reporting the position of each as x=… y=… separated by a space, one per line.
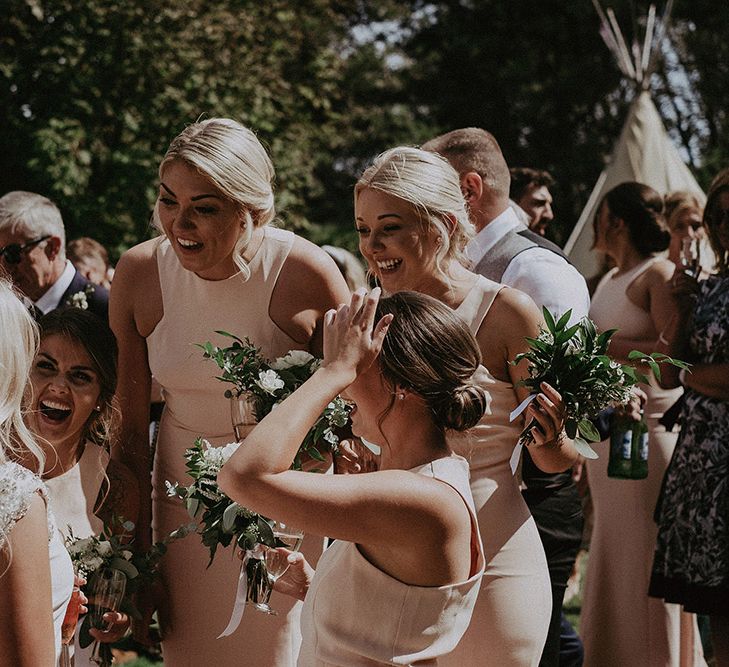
x=218 y=265
x=399 y=584
x=413 y=226
x=620 y=623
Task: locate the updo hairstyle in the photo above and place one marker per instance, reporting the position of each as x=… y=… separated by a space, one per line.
x=95 y=336
x=718 y=186
x=430 y=351
x=641 y=208
x=432 y=186
x=232 y=157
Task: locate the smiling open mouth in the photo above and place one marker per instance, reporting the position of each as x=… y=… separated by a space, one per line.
x=187 y=244
x=54 y=410
x=386 y=265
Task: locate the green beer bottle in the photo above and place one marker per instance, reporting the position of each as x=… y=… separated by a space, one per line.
x=628 y=448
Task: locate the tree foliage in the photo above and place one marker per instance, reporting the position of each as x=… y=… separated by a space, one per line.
x=91 y=94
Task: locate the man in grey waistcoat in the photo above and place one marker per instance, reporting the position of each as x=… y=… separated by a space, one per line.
x=506 y=251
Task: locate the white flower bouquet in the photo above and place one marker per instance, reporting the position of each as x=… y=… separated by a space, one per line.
x=269 y=383
x=97 y=557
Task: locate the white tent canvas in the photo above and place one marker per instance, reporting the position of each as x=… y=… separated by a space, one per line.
x=643 y=153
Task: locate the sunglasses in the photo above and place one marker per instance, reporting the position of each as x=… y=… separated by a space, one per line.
x=12 y=253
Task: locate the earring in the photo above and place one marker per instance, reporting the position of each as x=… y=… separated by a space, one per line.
x=98 y=408
x=400 y=395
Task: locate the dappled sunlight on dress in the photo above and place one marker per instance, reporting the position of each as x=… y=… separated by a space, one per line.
x=511 y=618
x=620 y=624
x=356 y=615
x=201 y=598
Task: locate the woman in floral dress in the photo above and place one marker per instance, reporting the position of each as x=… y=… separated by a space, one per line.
x=691 y=564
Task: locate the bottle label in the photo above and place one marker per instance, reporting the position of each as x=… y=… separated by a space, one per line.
x=643 y=447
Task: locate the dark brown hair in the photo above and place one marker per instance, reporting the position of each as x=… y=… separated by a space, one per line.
x=641 y=208
x=719 y=185
x=522 y=178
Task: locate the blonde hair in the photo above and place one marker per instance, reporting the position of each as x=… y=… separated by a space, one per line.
x=432 y=186
x=678 y=202
x=232 y=157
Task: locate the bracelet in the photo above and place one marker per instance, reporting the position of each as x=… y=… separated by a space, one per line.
x=682 y=376
x=662 y=339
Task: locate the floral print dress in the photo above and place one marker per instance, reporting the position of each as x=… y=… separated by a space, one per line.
x=691 y=564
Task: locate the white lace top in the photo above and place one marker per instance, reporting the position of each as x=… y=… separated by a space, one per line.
x=17 y=486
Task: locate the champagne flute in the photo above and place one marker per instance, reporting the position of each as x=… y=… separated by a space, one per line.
x=276 y=560
x=263 y=573
x=106 y=594
x=690 y=257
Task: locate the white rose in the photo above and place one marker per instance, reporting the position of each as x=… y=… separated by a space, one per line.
x=127 y=555
x=93 y=564
x=269 y=381
x=292 y=358
x=103 y=549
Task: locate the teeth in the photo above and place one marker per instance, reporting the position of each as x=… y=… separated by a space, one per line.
x=185 y=243
x=388 y=264
x=55 y=405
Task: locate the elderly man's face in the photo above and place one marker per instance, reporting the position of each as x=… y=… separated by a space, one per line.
x=29 y=262
x=537 y=202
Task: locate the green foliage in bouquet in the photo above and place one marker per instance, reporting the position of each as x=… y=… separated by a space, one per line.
x=269 y=383
x=221 y=519
x=113 y=549
x=574 y=360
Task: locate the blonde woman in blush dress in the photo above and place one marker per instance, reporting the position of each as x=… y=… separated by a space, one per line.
x=620 y=623
x=219 y=265
x=413 y=226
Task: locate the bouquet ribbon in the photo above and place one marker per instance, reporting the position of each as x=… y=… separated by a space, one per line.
x=241 y=593
x=516 y=454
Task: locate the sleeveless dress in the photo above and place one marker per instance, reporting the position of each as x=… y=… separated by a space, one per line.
x=691 y=565
x=73 y=496
x=511 y=617
x=17 y=486
x=356 y=615
x=620 y=624
x=201 y=598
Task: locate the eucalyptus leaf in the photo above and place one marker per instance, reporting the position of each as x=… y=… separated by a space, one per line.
x=124 y=566
x=229 y=515
x=588 y=431
x=584 y=449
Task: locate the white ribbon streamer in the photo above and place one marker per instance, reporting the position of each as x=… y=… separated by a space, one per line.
x=240 y=603
x=516 y=454
x=521 y=407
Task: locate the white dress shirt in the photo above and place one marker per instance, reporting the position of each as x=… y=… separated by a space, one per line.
x=52 y=298
x=546 y=277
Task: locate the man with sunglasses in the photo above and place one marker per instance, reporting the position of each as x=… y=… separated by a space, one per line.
x=33 y=254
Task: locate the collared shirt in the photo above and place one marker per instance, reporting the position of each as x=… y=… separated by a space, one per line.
x=546 y=277
x=52 y=298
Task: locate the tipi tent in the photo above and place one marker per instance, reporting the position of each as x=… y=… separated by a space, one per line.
x=644 y=151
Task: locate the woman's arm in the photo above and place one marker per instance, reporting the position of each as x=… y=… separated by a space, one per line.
x=308 y=286
x=393 y=509
x=26 y=609
x=516 y=317
x=133 y=387
x=709 y=379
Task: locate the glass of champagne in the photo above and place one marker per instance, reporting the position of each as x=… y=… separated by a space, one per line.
x=275 y=560
x=68 y=627
x=690 y=256
x=106 y=594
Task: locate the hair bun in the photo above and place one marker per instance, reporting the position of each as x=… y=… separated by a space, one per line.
x=462 y=408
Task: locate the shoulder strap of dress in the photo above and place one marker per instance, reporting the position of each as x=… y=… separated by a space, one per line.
x=489 y=290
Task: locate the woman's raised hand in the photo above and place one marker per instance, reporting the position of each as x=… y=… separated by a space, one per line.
x=352 y=340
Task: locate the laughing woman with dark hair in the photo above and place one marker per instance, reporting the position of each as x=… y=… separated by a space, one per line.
x=74 y=419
